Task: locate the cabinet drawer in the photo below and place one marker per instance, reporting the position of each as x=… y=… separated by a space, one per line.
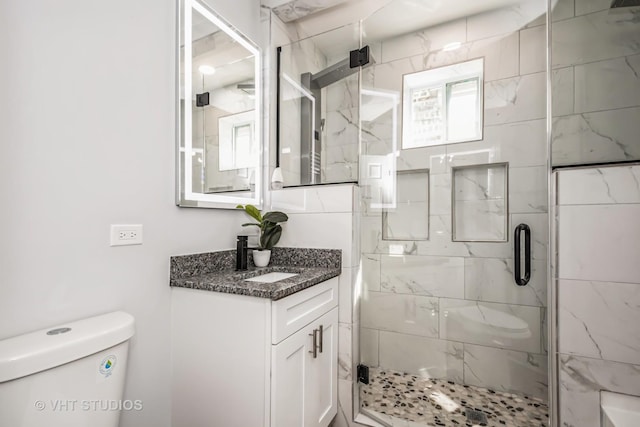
x=293 y=312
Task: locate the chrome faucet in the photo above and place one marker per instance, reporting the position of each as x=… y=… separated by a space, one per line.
x=242 y=251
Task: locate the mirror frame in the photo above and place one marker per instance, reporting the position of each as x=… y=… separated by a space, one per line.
x=189 y=198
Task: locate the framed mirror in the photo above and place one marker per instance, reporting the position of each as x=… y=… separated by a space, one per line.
x=219 y=147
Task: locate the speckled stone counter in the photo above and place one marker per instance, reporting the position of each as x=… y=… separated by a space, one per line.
x=215 y=271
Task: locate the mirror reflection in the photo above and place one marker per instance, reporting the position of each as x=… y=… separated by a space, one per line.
x=220 y=129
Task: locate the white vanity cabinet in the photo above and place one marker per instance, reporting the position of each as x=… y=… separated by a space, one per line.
x=241 y=361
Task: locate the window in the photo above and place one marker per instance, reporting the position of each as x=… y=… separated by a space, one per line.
x=237 y=144
x=443 y=105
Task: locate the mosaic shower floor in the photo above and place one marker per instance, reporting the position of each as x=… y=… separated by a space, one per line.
x=443 y=403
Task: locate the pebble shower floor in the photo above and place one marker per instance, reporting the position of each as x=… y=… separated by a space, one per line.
x=443 y=403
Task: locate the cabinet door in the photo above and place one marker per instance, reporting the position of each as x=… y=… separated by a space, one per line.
x=304 y=389
x=322 y=402
x=290 y=379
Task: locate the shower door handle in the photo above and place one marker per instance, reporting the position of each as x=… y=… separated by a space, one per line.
x=517 y=249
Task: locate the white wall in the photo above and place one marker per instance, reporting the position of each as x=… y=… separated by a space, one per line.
x=87 y=140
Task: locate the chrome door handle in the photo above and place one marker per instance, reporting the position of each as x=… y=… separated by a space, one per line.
x=321 y=337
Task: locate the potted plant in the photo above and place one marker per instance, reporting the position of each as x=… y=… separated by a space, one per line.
x=270 y=232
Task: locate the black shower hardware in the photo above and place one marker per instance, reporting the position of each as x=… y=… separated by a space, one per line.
x=517 y=251
x=310 y=108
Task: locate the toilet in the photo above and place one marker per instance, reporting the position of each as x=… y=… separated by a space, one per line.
x=503 y=329
x=70 y=375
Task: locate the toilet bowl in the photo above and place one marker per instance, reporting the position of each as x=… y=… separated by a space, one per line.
x=619 y=410
x=484 y=320
x=70 y=375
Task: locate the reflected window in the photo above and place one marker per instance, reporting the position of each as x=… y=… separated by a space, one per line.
x=237 y=149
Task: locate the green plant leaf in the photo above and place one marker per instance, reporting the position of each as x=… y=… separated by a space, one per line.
x=270 y=236
x=275 y=217
x=252 y=211
x=250 y=223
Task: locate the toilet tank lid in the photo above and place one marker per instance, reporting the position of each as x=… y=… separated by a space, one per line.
x=50 y=347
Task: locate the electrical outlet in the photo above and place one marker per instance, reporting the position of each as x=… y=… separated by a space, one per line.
x=126 y=234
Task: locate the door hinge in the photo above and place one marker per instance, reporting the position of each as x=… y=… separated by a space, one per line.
x=363 y=374
x=359 y=57
x=202 y=99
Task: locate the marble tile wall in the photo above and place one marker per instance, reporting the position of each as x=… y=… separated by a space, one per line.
x=598 y=280
x=450 y=309
x=397 y=295
x=601 y=49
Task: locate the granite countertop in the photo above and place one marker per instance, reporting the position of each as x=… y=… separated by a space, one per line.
x=215 y=272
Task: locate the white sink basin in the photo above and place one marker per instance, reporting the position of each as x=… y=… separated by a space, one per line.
x=271 y=277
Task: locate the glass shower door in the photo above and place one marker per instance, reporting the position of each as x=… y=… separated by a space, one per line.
x=447 y=334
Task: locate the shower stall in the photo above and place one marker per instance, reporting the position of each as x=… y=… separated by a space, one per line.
x=454 y=291
x=444 y=116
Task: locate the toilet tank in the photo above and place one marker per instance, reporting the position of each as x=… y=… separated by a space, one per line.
x=69 y=375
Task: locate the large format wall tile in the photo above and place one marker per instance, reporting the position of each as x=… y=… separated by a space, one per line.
x=533 y=50
x=599 y=242
x=428 y=40
x=491 y=279
x=607 y=185
x=409 y=220
x=589 y=6
x=410 y=314
x=500 y=59
x=369 y=345
x=346 y=309
x=599 y=320
x=506 y=370
x=423 y=275
x=596 y=137
x=606 y=85
x=342 y=94
x=592 y=37
x=480 y=203
x=581 y=380
x=321 y=230
x=516 y=99
x=514 y=327
x=528 y=189
x=562 y=88
x=344 y=351
x=440 y=197
x=421 y=356
x=504 y=20
x=516 y=143
x=563 y=9
x=370 y=270
x=480 y=220
x=325 y=199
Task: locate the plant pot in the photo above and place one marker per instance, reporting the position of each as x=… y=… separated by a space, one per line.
x=261 y=257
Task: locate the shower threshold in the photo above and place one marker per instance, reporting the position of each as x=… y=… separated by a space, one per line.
x=396 y=398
